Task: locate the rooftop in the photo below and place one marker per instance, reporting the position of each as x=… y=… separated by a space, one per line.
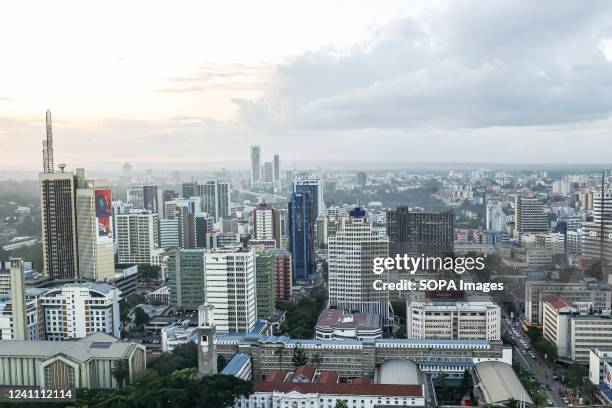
x=558 y=302
x=337 y=318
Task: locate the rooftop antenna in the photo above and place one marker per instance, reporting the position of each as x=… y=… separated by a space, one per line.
x=48 y=146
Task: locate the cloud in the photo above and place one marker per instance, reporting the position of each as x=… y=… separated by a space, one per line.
x=181 y=90
x=5 y=98
x=469 y=65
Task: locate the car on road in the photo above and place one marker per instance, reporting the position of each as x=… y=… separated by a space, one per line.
x=549 y=402
x=524 y=352
x=565 y=401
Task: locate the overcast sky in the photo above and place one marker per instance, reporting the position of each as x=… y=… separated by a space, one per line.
x=461 y=81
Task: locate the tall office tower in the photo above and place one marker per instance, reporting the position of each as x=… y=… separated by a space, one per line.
x=190 y=189
x=78 y=310
x=361 y=179
x=277 y=172
x=169 y=233
x=203 y=225
x=186 y=278
x=268 y=172
x=94 y=212
x=282 y=274
x=48 y=165
x=135 y=197
x=152 y=200
x=529 y=216
x=230 y=288
x=350 y=255
x=186 y=224
x=420 y=233
x=137 y=237
x=169 y=195
x=267 y=224
x=255 y=164
x=170 y=209
x=126 y=172
x=18 y=300
x=264 y=280
x=302 y=233
x=58 y=216
x=596 y=234
x=315 y=185
x=215 y=198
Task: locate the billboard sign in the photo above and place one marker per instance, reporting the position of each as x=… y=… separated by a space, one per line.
x=104 y=212
x=607 y=377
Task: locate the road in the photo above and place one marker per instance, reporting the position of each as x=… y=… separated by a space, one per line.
x=536 y=366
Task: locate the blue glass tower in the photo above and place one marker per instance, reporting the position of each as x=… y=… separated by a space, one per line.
x=302 y=220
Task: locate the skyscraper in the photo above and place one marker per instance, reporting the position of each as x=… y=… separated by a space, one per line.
x=186 y=224
x=419 y=233
x=255 y=164
x=314 y=185
x=18 y=300
x=302 y=210
x=264 y=273
x=186 y=278
x=268 y=172
x=277 y=172
x=351 y=254
x=361 y=179
x=282 y=274
x=48 y=165
x=215 y=198
x=189 y=189
x=230 y=288
x=203 y=225
x=58 y=217
x=596 y=242
x=529 y=215
x=137 y=236
x=151 y=197
x=94 y=213
x=266 y=224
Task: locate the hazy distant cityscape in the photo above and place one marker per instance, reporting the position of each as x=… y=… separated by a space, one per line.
x=266 y=275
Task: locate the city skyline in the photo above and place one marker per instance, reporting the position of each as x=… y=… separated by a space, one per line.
x=404 y=79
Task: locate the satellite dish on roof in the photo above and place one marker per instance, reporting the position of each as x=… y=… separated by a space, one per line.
x=62 y=166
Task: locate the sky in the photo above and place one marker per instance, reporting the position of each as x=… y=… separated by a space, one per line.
x=197 y=82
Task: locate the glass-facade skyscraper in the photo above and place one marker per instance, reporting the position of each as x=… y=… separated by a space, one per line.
x=302 y=218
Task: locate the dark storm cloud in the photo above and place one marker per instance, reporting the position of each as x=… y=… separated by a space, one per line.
x=473 y=65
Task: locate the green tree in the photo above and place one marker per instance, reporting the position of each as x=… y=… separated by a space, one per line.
x=141 y=318
x=149 y=273
x=121 y=372
x=181 y=357
x=278 y=352
x=341 y=404
x=299 y=357
x=221 y=362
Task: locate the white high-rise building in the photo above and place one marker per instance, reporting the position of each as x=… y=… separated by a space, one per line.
x=137 y=236
x=230 y=288
x=351 y=254
x=95 y=231
x=594 y=244
x=453 y=320
x=266 y=224
x=78 y=310
x=215 y=198
x=497 y=220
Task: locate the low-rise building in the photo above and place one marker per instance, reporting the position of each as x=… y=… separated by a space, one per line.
x=87 y=363
x=307 y=387
x=443 y=319
x=337 y=325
